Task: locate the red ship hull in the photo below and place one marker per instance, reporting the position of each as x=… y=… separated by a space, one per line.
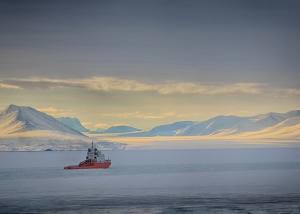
x=90 y=165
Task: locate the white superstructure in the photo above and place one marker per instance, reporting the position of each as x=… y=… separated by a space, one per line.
x=94 y=154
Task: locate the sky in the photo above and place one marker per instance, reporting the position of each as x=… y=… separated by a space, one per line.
x=145 y=63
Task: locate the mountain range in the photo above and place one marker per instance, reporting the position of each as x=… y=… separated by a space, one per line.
x=264 y=125
x=74 y=123
x=25 y=128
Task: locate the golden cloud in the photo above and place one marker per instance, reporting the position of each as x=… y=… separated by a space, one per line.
x=109 y=84
x=101 y=125
x=141 y=115
x=54 y=111
x=9 y=86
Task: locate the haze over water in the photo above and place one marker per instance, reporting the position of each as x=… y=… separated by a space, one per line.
x=156 y=181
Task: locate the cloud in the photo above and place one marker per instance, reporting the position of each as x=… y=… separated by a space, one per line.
x=101 y=125
x=210 y=89
x=141 y=115
x=55 y=111
x=9 y=86
x=110 y=84
x=289 y=91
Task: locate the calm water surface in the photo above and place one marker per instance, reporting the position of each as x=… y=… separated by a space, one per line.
x=198 y=181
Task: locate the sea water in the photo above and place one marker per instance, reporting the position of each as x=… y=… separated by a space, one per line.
x=153 y=181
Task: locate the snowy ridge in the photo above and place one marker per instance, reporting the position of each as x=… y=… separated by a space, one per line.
x=120 y=129
x=72 y=123
x=26 y=129
x=224 y=125
x=21 y=119
x=172 y=129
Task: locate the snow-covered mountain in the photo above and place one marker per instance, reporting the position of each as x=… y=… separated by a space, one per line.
x=24 y=128
x=214 y=125
x=120 y=129
x=234 y=124
x=115 y=130
x=222 y=125
x=287 y=129
x=172 y=129
x=72 y=123
x=16 y=119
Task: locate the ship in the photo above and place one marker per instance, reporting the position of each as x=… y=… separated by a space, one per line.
x=95 y=159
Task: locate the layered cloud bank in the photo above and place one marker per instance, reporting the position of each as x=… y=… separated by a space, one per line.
x=8 y=86
x=108 y=84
